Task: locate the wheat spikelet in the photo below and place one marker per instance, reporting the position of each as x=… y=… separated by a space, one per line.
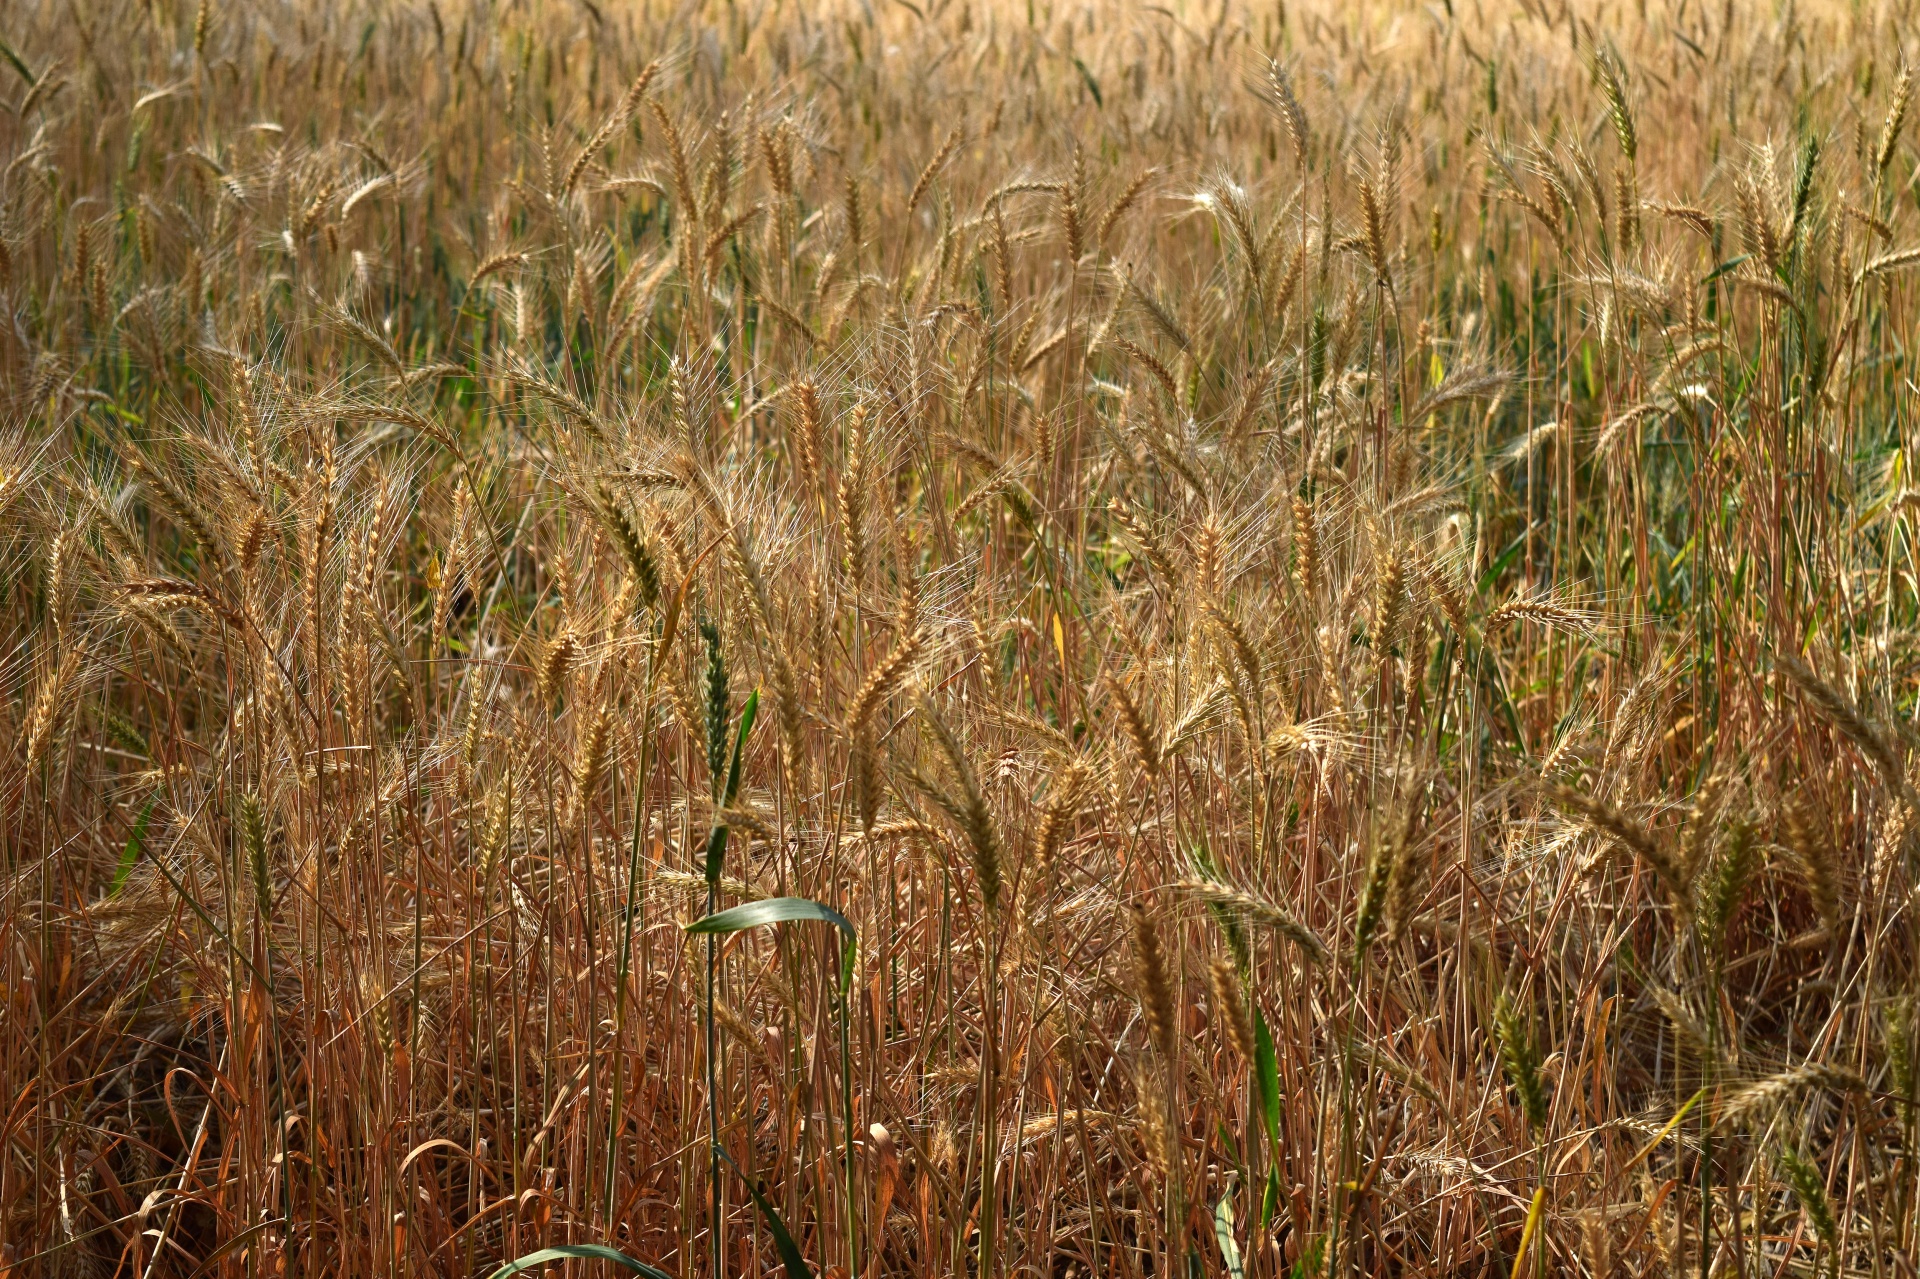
x=1890 y=128
x=1810 y=1188
x=1389 y=593
x=590 y=758
x=853 y=499
x=1306 y=550
x=1230 y=1006
x=48 y=707
x=1153 y=982
x=1522 y=1062
x=807 y=442
x=555 y=661
x=1071 y=230
x=1375 y=238
x=1056 y=819
x=1156 y=1133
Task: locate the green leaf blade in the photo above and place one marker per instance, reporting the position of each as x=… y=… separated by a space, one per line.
x=583 y=1251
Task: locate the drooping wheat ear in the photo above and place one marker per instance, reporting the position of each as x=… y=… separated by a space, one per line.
x=1151 y=551
x=807 y=435
x=1446 y=593
x=1626 y=833
x=884 y=678
x=1848 y=718
x=853 y=499
x=1681 y=1015
x=186 y=513
x=1813 y=854
x=1890 y=129
x=629 y=103
x=555 y=662
x=1121 y=206
x=1246 y=658
x=1146 y=749
x=1522 y=1061
x=1292 y=115
x=1777 y=1090
x=1306 y=550
x=970 y=811
x=1256 y=910
x=1810 y=1188
x=633 y=547
x=1542 y=612
x=1230 y=1006
x=1153 y=983
x=253 y=827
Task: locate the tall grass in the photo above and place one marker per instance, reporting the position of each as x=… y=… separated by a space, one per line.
x=1333 y=589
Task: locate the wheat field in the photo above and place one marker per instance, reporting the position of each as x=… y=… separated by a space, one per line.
x=954 y=638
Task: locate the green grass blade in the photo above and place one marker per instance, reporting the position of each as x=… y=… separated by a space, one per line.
x=747 y=715
x=135 y=842
x=772 y=910
x=1223 y=1235
x=1266 y=1070
x=790 y=1256
x=584 y=1251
